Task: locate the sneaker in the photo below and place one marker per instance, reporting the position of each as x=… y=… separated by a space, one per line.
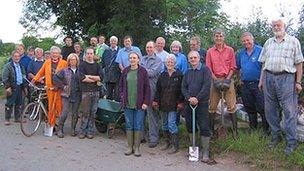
x=289 y=149
x=274 y=142
x=6 y=123
x=81 y=136
x=90 y=136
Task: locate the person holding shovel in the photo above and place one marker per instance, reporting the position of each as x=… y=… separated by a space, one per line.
x=196 y=90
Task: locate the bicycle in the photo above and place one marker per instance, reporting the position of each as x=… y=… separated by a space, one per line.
x=34 y=112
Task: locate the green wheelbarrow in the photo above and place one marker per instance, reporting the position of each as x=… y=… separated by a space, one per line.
x=108 y=116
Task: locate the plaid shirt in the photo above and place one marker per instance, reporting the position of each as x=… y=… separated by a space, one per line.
x=281 y=56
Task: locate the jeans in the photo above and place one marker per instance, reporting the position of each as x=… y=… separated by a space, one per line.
x=169 y=121
x=89 y=105
x=253 y=100
x=15 y=99
x=201 y=118
x=134 y=119
x=68 y=107
x=153 y=122
x=279 y=90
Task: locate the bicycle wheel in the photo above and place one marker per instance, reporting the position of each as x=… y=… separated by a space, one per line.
x=30 y=119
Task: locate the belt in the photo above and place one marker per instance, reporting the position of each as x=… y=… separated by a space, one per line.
x=278 y=73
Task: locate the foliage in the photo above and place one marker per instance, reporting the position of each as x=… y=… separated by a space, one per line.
x=6 y=49
x=142 y=19
x=44 y=43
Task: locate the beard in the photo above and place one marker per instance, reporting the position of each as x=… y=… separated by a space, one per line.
x=279 y=33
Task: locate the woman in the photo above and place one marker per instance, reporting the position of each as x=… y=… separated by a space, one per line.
x=12 y=77
x=69 y=80
x=48 y=70
x=169 y=99
x=181 y=60
x=135 y=97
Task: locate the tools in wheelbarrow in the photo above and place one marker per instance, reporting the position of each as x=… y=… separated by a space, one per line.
x=193 y=150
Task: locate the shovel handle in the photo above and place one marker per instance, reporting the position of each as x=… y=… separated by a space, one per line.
x=193 y=124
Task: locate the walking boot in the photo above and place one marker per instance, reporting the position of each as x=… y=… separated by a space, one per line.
x=211 y=125
x=73 y=126
x=234 y=125
x=130 y=139
x=167 y=141
x=174 y=140
x=60 y=131
x=17 y=114
x=8 y=113
x=205 y=151
x=137 y=138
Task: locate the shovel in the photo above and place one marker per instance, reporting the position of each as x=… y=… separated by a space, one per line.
x=193 y=150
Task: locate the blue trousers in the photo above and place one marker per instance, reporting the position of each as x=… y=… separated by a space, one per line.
x=134 y=119
x=279 y=91
x=169 y=121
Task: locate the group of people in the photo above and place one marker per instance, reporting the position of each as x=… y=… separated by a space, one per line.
x=163 y=86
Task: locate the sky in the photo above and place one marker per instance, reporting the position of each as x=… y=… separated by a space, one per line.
x=237 y=10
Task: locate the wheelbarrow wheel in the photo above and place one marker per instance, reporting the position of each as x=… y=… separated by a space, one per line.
x=102 y=128
x=110 y=131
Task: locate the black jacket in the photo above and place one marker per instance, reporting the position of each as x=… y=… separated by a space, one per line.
x=111 y=71
x=168 y=91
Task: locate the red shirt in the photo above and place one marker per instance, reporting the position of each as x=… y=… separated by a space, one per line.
x=221 y=62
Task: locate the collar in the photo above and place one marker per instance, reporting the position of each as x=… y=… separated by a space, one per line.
x=38 y=60
x=16 y=64
x=114 y=48
x=199 y=67
x=284 y=38
x=224 y=47
x=131 y=48
x=151 y=56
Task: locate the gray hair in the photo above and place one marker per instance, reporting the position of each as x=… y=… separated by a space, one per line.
x=177 y=43
x=161 y=39
x=114 y=38
x=194 y=52
x=37 y=49
x=247 y=34
x=278 y=20
x=197 y=39
x=55 y=48
x=219 y=31
x=172 y=57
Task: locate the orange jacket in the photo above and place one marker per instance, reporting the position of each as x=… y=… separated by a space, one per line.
x=46 y=70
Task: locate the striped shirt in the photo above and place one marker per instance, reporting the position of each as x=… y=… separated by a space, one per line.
x=281 y=56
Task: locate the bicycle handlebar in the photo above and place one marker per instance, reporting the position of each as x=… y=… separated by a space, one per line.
x=34 y=86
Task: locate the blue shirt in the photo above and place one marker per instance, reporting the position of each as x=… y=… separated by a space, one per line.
x=18 y=73
x=249 y=65
x=123 y=55
x=24 y=61
x=34 y=66
x=181 y=62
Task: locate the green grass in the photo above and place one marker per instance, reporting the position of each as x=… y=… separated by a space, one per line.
x=251 y=150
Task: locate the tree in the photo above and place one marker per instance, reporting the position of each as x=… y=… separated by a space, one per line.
x=142 y=19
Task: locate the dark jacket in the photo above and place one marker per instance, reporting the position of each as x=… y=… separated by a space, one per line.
x=168 y=91
x=9 y=75
x=70 y=83
x=143 y=87
x=197 y=83
x=111 y=71
x=66 y=50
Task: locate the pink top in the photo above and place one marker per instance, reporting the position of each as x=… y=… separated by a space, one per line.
x=220 y=63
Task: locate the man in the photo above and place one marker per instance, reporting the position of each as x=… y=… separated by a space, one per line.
x=122 y=56
x=195 y=45
x=160 y=52
x=196 y=90
x=12 y=77
x=221 y=61
x=36 y=64
x=102 y=46
x=281 y=81
x=31 y=52
x=111 y=69
x=153 y=65
x=250 y=70
x=25 y=60
x=90 y=93
x=94 y=42
x=68 y=48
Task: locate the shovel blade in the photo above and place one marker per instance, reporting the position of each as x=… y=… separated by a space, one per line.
x=193 y=154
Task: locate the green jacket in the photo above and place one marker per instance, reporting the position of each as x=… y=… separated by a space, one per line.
x=9 y=75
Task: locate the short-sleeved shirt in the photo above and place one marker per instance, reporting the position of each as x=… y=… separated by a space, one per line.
x=123 y=55
x=249 y=65
x=281 y=56
x=221 y=62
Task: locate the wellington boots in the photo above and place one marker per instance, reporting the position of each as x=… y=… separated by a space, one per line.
x=8 y=113
x=60 y=131
x=167 y=141
x=130 y=139
x=137 y=138
x=17 y=113
x=175 y=143
x=73 y=126
x=205 y=147
x=234 y=125
x=211 y=125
